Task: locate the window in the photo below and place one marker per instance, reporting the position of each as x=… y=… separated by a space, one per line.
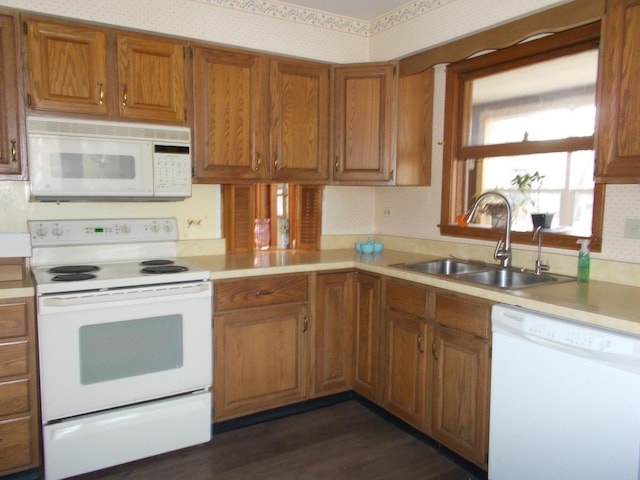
x=527 y=110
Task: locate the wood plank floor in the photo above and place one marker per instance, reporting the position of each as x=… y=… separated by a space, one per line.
x=343 y=441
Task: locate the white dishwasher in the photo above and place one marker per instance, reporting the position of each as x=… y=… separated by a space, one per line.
x=565 y=399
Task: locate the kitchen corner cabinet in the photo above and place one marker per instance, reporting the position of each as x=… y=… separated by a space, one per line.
x=261 y=341
x=19 y=425
x=405 y=381
x=367 y=378
x=617 y=139
x=461 y=375
x=332 y=358
x=76 y=68
x=259 y=118
x=10 y=103
x=364 y=124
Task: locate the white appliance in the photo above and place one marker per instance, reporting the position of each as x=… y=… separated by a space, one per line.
x=565 y=399
x=72 y=159
x=124 y=342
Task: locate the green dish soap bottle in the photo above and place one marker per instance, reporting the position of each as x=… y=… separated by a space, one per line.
x=584 y=260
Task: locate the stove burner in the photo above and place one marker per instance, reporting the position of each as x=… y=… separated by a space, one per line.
x=74 y=269
x=164 y=269
x=73 y=277
x=156 y=262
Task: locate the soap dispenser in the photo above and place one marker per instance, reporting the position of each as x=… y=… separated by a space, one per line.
x=584 y=260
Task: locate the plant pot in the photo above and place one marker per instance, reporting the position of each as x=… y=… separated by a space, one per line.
x=541 y=220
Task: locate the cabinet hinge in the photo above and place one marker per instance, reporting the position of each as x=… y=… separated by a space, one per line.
x=190 y=52
x=193 y=172
x=490 y=352
x=185 y=114
x=28 y=99
x=25 y=27
x=395 y=70
x=392 y=174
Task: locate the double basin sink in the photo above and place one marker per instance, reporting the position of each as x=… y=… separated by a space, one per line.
x=484 y=274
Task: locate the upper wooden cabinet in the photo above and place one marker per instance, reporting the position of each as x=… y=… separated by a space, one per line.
x=364 y=124
x=617 y=139
x=70 y=72
x=10 y=103
x=229 y=95
x=299 y=120
x=259 y=118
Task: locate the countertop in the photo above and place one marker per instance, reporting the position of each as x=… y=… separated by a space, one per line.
x=605 y=304
x=17 y=288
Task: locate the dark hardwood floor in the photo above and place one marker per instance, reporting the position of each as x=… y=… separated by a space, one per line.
x=342 y=441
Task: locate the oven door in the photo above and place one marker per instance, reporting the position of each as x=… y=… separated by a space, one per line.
x=103 y=349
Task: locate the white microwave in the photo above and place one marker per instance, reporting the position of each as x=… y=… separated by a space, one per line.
x=71 y=159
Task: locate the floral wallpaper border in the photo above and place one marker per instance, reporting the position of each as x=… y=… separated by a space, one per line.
x=317 y=18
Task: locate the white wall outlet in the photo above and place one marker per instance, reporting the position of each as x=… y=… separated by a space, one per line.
x=386 y=212
x=632 y=228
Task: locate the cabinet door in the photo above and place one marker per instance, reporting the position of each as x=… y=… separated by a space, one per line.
x=333 y=328
x=10 y=158
x=229 y=133
x=364 y=135
x=151 y=78
x=617 y=139
x=461 y=393
x=405 y=379
x=366 y=380
x=260 y=359
x=299 y=120
x=67 y=68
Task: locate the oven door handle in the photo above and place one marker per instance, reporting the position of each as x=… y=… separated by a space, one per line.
x=86 y=298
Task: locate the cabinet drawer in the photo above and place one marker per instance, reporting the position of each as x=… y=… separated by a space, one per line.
x=465 y=315
x=407 y=298
x=15 y=444
x=13 y=320
x=13 y=359
x=14 y=397
x=256 y=292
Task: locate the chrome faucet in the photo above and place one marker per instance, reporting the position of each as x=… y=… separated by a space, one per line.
x=503 y=248
x=540 y=266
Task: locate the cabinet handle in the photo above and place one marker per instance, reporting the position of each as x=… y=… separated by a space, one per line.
x=421 y=342
x=275 y=162
x=258 y=162
x=336 y=165
x=124 y=95
x=434 y=348
x=14 y=151
x=264 y=293
x=305 y=323
x=100 y=93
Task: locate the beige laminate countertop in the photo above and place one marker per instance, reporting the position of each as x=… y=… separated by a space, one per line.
x=17 y=288
x=605 y=304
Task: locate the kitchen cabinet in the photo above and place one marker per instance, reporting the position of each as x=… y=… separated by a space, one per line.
x=82 y=69
x=364 y=123
x=299 y=92
x=367 y=377
x=261 y=342
x=259 y=118
x=332 y=364
x=461 y=375
x=11 y=159
x=406 y=312
x=19 y=425
x=618 y=95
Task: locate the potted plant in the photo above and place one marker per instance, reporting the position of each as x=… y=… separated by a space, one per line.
x=529 y=185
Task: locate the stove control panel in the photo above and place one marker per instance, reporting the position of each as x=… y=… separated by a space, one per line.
x=86 y=232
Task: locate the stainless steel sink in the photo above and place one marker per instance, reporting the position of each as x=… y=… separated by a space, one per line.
x=445 y=266
x=484 y=274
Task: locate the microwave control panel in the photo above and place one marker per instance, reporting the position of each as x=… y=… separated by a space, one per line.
x=172 y=174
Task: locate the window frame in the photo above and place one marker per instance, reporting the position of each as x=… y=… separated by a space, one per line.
x=455 y=150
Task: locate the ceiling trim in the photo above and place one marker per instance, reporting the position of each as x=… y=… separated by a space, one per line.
x=327 y=20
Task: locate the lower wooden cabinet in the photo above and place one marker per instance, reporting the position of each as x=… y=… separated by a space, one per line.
x=18 y=391
x=261 y=341
x=405 y=359
x=333 y=328
x=461 y=376
x=367 y=362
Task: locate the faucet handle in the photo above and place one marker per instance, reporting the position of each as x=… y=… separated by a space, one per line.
x=542 y=266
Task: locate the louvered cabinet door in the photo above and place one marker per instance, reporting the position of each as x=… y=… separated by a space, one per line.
x=239 y=214
x=307 y=223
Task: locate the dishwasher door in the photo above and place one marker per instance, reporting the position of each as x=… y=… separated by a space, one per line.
x=565 y=399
